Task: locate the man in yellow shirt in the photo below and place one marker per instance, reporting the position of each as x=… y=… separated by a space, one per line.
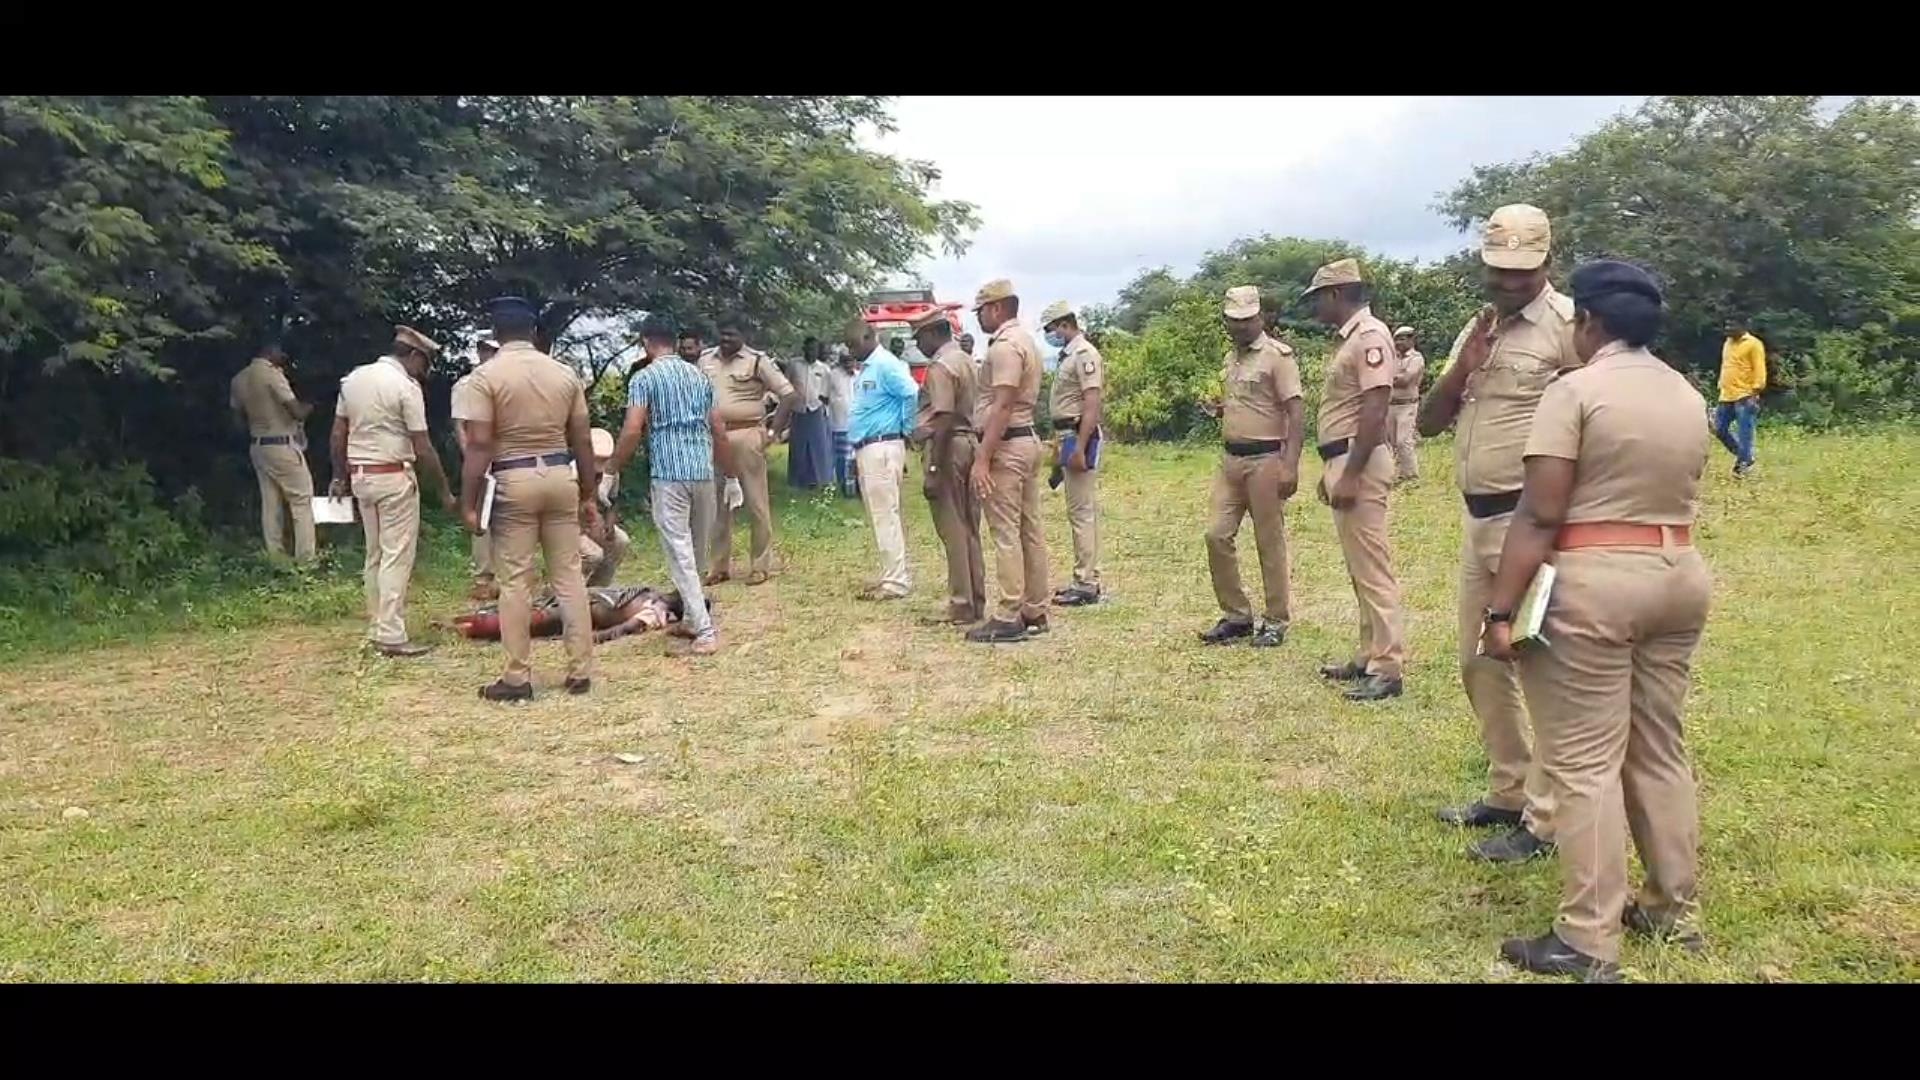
x=1743 y=374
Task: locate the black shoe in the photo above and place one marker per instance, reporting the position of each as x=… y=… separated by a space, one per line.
x=1077 y=596
x=502 y=690
x=1269 y=635
x=993 y=631
x=406 y=650
x=1637 y=921
x=1035 y=625
x=1741 y=469
x=579 y=686
x=1548 y=955
x=1479 y=816
x=1226 y=630
x=1347 y=672
x=1374 y=688
x=1516 y=845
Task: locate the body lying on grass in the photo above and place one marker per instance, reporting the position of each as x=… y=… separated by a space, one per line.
x=616 y=611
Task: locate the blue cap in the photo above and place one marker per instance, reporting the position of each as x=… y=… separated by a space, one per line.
x=1607 y=277
x=511 y=307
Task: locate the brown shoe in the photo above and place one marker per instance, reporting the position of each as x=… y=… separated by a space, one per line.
x=406 y=650
x=758 y=577
x=716 y=578
x=579 y=686
x=705 y=646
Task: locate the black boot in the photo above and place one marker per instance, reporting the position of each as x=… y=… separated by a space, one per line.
x=1226 y=630
x=1269 y=635
x=1548 y=955
x=1347 y=672
x=1516 y=845
x=993 y=631
x=1374 y=688
x=504 y=691
x=1636 y=920
x=1479 y=816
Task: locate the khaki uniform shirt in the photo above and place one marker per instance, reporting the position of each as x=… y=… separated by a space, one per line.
x=1637 y=429
x=1014 y=360
x=741 y=385
x=1363 y=361
x=383 y=406
x=528 y=398
x=1529 y=349
x=261 y=391
x=949 y=387
x=1256 y=384
x=1081 y=369
x=463 y=404
x=1409 y=367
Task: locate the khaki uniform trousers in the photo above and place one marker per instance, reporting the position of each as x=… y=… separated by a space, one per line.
x=882 y=466
x=956 y=517
x=286 y=490
x=1019 y=537
x=390 y=520
x=537 y=509
x=750 y=462
x=1243 y=485
x=1083 y=520
x=1515 y=778
x=482 y=559
x=1403 y=433
x=1607 y=697
x=1363 y=540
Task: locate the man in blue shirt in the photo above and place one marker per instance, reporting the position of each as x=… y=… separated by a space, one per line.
x=883 y=405
x=671 y=401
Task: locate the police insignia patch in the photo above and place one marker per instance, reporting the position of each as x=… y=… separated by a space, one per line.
x=1375 y=357
x=1086 y=367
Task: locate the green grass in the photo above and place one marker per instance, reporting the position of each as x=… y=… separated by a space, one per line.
x=845 y=794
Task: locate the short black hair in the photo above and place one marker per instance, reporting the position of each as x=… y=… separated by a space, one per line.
x=688 y=332
x=657 y=328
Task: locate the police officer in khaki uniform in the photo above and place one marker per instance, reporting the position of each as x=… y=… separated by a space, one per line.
x=1613 y=466
x=742 y=379
x=485 y=588
x=946 y=435
x=1359 y=473
x=1075 y=409
x=530 y=432
x=1006 y=472
x=1499 y=366
x=1263 y=424
x=379 y=440
x=265 y=406
x=1408 y=367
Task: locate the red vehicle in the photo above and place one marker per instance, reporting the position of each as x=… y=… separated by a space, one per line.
x=892 y=311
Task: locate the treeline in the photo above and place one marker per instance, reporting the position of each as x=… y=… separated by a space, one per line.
x=1797 y=214
x=149 y=244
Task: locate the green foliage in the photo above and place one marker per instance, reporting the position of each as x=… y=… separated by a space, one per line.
x=1761 y=205
x=107 y=526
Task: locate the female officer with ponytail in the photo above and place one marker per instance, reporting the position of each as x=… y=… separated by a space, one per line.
x=1613 y=469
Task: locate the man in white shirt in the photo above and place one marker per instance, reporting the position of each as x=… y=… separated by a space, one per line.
x=840 y=380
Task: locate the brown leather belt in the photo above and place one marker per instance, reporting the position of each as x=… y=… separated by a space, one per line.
x=1586 y=534
x=742 y=425
x=377 y=467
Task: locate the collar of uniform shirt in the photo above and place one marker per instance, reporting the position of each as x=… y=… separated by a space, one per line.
x=1347 y=330
x=1259 y=343
x=395 y=361
x=1536 y=308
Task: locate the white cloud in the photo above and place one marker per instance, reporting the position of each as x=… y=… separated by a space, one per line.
x=1077 y=195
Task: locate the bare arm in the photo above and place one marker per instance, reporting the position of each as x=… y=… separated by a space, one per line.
x=722 y=449
x=580 y=441
x=1536 y=522
x=1372 y=428
x=427 y=460
x=1296 y=439
x=630 y=434
x=632 y=626
x=337 y=446
x=473 y=471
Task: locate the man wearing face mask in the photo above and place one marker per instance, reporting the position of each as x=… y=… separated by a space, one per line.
x=1499 y=367
x=1075 y=407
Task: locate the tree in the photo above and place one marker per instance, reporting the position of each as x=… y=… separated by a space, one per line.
x=1760 y=205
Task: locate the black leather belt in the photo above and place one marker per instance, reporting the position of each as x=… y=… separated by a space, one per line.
x=1069 y=423
x=864 y=443
x=1016 y=432
x=1255 y=447
x=273 y=440
x=1486 y=506
x=562 y=458
x=1330 y=450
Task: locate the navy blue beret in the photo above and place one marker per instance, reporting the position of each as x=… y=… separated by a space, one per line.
x=1607 y=277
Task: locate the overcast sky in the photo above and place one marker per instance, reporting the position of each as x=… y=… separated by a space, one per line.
x=1077 y=195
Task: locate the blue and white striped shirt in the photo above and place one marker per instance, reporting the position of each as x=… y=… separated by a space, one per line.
x=679 y=399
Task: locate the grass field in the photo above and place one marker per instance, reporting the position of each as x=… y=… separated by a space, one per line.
x=846 y=794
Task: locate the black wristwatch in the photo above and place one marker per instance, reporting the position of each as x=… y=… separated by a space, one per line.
x=1492 y=616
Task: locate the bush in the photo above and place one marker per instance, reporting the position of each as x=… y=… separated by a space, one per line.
x=107 y=525
x=1851 y=373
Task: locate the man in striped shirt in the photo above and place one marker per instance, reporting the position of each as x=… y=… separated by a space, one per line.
x=672 y=402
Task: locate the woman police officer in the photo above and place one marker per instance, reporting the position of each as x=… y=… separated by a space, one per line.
x=1613 y=468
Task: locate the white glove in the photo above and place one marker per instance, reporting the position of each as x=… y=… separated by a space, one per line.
x=734 y=495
